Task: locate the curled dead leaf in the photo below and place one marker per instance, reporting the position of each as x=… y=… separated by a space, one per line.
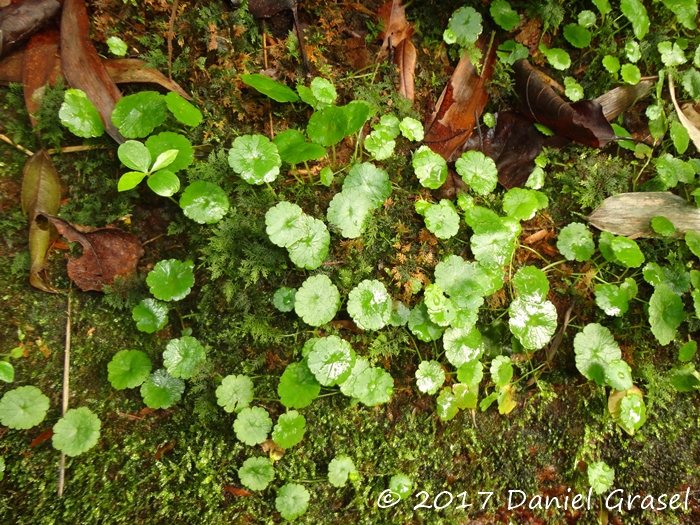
x=40 y=67
x=19 y=21
x=687 y=123
x=396 y=28
x=405 y=58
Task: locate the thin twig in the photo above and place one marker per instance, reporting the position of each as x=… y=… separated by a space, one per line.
x=66 y=394
x=171 y=33
x=7 y=139
x=76 y=149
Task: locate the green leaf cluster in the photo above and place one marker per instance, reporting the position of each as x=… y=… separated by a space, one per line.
x=306 y=238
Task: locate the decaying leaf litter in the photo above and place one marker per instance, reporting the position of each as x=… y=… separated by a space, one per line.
x=453 y=124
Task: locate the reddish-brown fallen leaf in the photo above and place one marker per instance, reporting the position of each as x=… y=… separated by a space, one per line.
x=82 y=66
x=126 y=70
x=405 y=58
x=165 y=449
x=240 y=493
x=40 y=67
x=582 y=121
x=392 y=15
x=45 y=435
x=356 y=52
x=346 y=324
x=460 y=105
x=41 y=193
x=107 y=252
x=19 y=21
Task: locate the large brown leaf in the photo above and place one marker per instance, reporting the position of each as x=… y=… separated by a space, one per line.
x=40 y=67
x=582 y=122
x=107 y=252
x=405 y=58
x=41 y=193
x=19 y=21
x=11 y=68
x=82 y=66
x=396 y=27
x=459 y=106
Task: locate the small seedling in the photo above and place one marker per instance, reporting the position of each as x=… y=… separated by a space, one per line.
x=289 y=430
x=252 y=425
x=79 y=115
x=117 y=46
x=204 y=202
x=284 y=299
x=235 y=393
x=292 y=501
x=462 y=345
x=319 y=95
x=76 y=432
x=463 y=28
x=256 y=473
x=402 y=485
x=23 y=407
x=478 y=171
x=128 y=369
x=504 y=15
x=136 y=156
x=161 y=390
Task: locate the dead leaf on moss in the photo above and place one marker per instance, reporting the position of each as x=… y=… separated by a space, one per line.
x=107 y=252
x=405 y=58
x=40 y=67
x=396 y=28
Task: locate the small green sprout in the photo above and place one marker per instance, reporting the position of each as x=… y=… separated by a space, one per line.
x=128 y=369
x=412 y=129
x=522 y=204
x=317 y=300
x=687 y=351
x=447 y=404
x=117 y=46
x=633 y=51
x=421 y=326
x=150 y=315
x=577 y=35
x=595 y=349
x=23 y=407
x=501 y=370
x=558 y=58
x=630 y=74
x=136 y=156
x=7 y=372
x=531 y=282
x=255 y=159
x=76 y=432
x=586 y=18
x=256 y=473
x=284 y=299
x=292 y=501
x=510 y=52
x=289 y=430
x=139 y=114
x=294 y=149
x=671 y=54
x=252 y=425
x=183 y=110
x=402 y=485
x=573 y=89
x=442 y=219
x=320 y=95
x=614 y=300
x=611 y=64
x=340 y=469
x=161 y=390
x=430 y=377
x=462 y=345
x=235 y=393
x=600 y=477
x=171 y=280
x=633 y=413
x=166 y=141
x=618 y=375
x=662 y=226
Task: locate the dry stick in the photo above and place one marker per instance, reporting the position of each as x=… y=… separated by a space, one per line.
x=66 y=393
x=171 y=29
x=269 y=107
x=75 y=149
x=7 y=139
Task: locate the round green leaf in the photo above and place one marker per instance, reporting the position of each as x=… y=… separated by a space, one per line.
x=576 y=242
x=532 y=322
x=612 y=64
x=161 y=390
x=298 y=386
x=558 y=58
x=402 y=485
x=612 y=299
x=521 y=204
x=348 y=211
x=164 y=183
x=312 y=247
x=399 y=314
x=204 y=202
x=357 y=113
x=430 y=168
x=289 y=429
x=292 y=501
x=630 y=74
x=283 y=225
x=447 y=406
x=370 y=181
x=7 y=372
x=171 y=280
x=317 y=301
x=370 y=305
x=687 y=351
x=167 y=140
x=685 y=378
x=662 y=226
x=269 y=87
x=339 y=469
x=627 y=252
x=665 y=313
x=256 y=473
x=493 y=243
x=331 y=360
x=79 y=115
x=442 y=219
x=501 y=370
x=288 y=141
x=595 y=349
x=692 y=239
x=421 y=326
x=504 y=15
x=441 y=310
x=235 y=393
x=76 y=432
x=464 y=27
x=429 y=377
x=633 y=412
x=465 y=396
x=128 y=369
x=586 y=18
x=133 y=154
x=252 y=425
x=284 y=299
x=373 y=386
x=600 y=477
x=139 y=114
x=183 y=356
x=117 y=46
x=326 y=176
x=255 y=159
x=183 y=110
x=150 y=315
x=618 y=375
x=412 y=129
x=380 y=144
x=23 y=407
x=532 y=282
x=327 y=126
x=578 y=36
x=462 y=345
x=478 y=170
x=471 y=373
x=347 y=387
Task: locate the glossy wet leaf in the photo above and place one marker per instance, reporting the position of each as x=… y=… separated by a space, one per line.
x=133 y=154
x=256 y=473
x=167 y=140
x=532 y=322
x=183 y=356
x=686 y=11
x=429 y=377
x=340 y=469
x=130 y=180
x=380 y=144
x=522 y=204
x=370 y=305
x=164 y=183
x=331 y=360
x=493 y=244
x=532 y=282
x=235 y=393
x=464 y=27
x=161 y=390
x=636 y=13
x=347 y=387
x=283 y=299
x=687 y=351
x=441 y=310
x=614 y=300
x=373 y=386
x=204 y=202
x=317 y=300
x=465 y=397
x=369 y=180
x=128 y=369
x=558 y=58
x=292 y=501
x=23 y=407
x=462 y=345
x=412 y=129
x=501 y=370
x=138 y=115
x=320 y=94
x=685 y=378
x=576 y=242
x=633 y=412
x=471 y=373
x=618 y=375
x=170 y=280
x=573 y=90
x=665 y=313
x=252 y=425
x=692 y=240
x=680 y=137
x=293 y=148
x=595 y=349
x=76 y=432
x=117 y=46
x=478 y=171
x=271 y=88
x=504 y=15
x=675 y=277
x=662 y=226
x=630 y=74
x=627 y=252
x=421 y=326
x=399 y=314
x=7 y=372
x=298 y=386
x=671 y=54
x=401 y=484
x=612 y=64
x=289 y=429
x=283 y=225
x=447 y=404
x=357 y=113
x=577 y=35
x=311 y=249
x=442 y=219
x=183 y=110
x=465 y=282
x=326 y=176
x=348 y=211
x=429 y=167
x=255 y=159
x=327 y=127
x=79 y=115
x=600 y=477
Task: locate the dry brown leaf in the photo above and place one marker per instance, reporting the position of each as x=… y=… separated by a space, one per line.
x=20 y=21
x=240 y=493
x=356 y=52
x=693 y=131
x=107 y=252
x=405 y=58
x=276 y=452
x=396 y=27
x=693 y=116
x=40 y=67
x=126 y=70
x=11 y=68
x=621 y=98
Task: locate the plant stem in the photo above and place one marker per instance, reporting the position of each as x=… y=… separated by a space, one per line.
x=334 y=160
x=66 y=395
x=308 y=171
